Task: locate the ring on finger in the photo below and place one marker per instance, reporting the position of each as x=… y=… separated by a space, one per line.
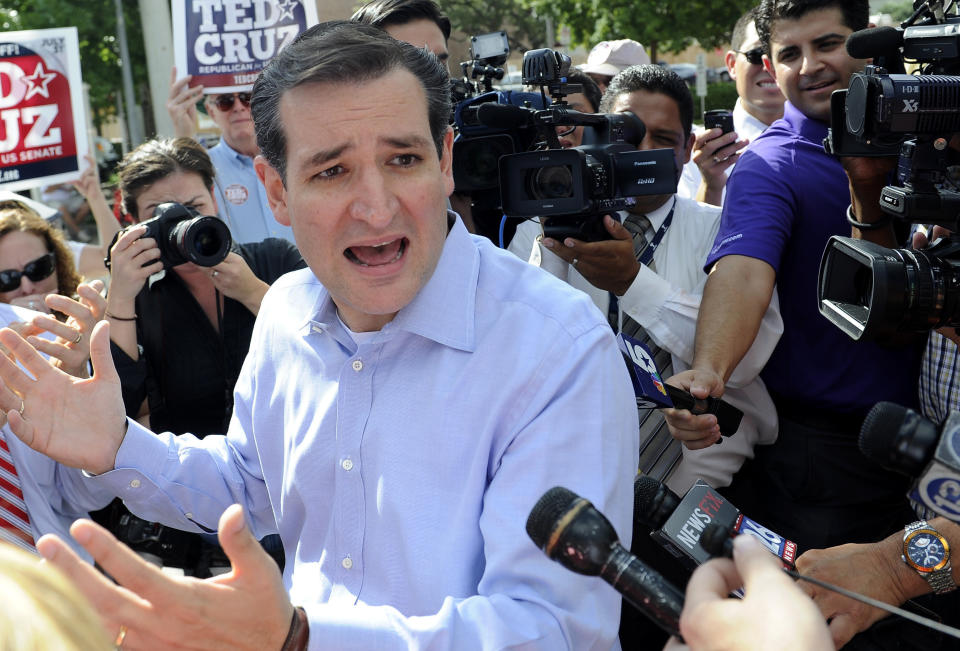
x=214 y=274
x=121 y=636
x=79 y=337
x=22 y=407
x=716 y=159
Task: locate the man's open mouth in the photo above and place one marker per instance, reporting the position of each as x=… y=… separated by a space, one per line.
x=377 y=255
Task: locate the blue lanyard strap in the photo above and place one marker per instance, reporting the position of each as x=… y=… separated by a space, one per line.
x=647 y=254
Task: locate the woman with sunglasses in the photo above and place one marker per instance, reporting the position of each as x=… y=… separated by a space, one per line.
x=34 y=259
x=179 y=335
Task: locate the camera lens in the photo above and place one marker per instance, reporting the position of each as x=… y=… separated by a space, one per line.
x=205 y=241
x=552 y=182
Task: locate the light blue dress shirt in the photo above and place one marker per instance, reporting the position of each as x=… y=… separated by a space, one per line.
x=400 y=472
x=55 y=495
x=242 y=199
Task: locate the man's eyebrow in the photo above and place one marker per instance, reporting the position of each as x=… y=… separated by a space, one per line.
x=407 y=142
x=817 y=41
x=325 y=155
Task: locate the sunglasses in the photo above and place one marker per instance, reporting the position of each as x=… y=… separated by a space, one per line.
x=35 y=270
x=225 y=102
x=754 y=57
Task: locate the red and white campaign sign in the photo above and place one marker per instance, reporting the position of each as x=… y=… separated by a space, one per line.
x=224 y=44
x=42 y=124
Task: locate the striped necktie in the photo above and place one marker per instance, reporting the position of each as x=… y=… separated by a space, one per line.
x=659 y=451
x=14 y=521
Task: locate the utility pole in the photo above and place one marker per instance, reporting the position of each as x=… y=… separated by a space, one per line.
x=158 y=45
x=134 y=127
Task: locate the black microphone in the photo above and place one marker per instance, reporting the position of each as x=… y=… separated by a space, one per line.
x=879 y=43
x=503 y=116
x=679 y=524
x=903 y=441
x=575 y=534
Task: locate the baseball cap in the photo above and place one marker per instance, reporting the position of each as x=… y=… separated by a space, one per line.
x=610 y=57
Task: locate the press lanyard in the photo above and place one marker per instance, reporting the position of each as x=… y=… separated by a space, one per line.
x=647 y=255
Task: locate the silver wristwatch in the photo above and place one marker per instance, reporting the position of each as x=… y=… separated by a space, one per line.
x=928 y=553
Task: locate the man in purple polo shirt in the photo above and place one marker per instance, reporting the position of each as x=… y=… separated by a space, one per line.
x=785 y=198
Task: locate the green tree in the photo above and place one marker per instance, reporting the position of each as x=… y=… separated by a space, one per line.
x=100 y=61
x=525 y=30
x=664 y=25
x=899 y=10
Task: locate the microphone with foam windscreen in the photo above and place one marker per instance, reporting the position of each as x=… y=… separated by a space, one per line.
x=879 y=43
x=902 y=440
x=503 y=116
x=571 y=531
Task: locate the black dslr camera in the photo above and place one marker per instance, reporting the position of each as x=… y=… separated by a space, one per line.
x=183 y=235
x=864 y=289
x=573 y=188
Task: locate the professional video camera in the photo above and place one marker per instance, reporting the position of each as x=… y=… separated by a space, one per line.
x=183 y=235
x=571 y=189
x=478 y=146
x=865 y=289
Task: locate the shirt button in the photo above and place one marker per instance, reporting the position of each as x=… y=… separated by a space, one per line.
x=135 y=483
x=357 y=365
x=347 y=465
x=347 y=563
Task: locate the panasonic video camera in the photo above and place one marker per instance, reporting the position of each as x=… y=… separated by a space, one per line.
x=865 y=289
x=571 y=189
x=183 y=235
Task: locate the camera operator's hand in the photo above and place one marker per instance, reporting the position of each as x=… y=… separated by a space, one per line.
x=234 y=278
x=867 y=176
x=609 y=265
x=127 y=271
x=920 y=240
x=182 y=105
x=695 y=432
x=71 y=349
x=714 y=152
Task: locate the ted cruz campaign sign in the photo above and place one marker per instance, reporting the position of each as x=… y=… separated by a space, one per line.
x=225 y=43
x=42 y=125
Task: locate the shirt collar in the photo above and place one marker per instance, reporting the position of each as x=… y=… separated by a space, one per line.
x=809 y=129
x=657 y=216
x=233 y=152
x=443 y=310
x=745 y=124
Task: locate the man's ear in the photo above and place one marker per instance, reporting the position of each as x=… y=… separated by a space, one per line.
x=275 y=187
x=688 y=149
x=446 y=161
x=768 y=66
x=730 y=60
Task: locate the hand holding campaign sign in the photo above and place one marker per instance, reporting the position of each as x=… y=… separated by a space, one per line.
x=225 y=44
x=42 y=123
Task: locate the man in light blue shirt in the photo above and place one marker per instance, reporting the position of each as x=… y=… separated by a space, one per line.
x=405 y=402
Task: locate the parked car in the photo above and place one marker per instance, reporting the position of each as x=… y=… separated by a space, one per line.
x=688 y=72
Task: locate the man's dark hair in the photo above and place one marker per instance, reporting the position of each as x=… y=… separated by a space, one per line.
x=856 y=14
x=590 y=89
x=341 y=52
x=653 y=79
x=740 y=29
x=384 y=13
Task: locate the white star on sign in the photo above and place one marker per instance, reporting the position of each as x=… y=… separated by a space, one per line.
x=38 y=81
x=286 y=8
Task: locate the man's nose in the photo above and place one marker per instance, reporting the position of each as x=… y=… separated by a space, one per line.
x=374 y=200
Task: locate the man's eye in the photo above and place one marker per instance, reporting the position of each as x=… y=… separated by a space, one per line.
x=405 y=160
x=330 y=172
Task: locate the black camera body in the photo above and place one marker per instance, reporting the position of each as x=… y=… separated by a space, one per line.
x=571 y=189
x=868 y=290
x=184 y=235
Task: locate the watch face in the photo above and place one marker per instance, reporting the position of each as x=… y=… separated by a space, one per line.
x=925 y=551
